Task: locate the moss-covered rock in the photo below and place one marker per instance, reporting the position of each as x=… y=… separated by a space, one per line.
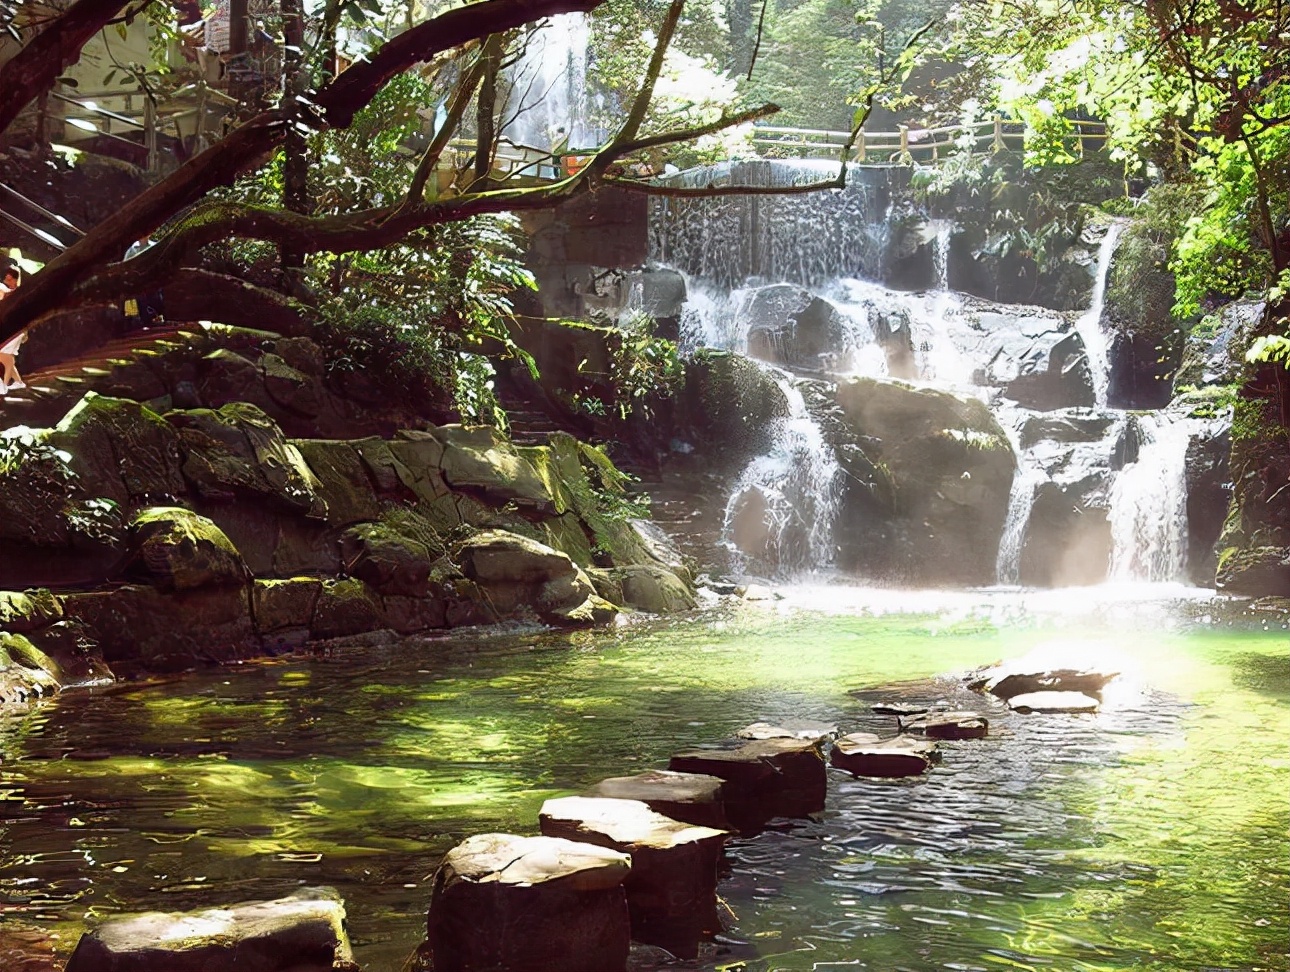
x=346 y=607
x=479 y=458
x=25 y=611
x=279 y=606
x=652 y=589
x=174 y=549
x=517 y=573
x=26 y=672
x=239 y=452
x=393 y=556
x=343 y=480
x=1255 y=572
x=950 y=466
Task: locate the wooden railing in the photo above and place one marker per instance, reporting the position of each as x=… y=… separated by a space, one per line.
x=909 y=145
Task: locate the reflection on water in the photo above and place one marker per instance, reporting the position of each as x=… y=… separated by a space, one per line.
x=1149 y=836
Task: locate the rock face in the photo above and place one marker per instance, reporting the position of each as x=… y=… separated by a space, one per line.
x=304 y=932
x=529 y=904
x=790 y=326
x=950 y=469
x=1214 y=354
x=672 y=886
x=233 y=539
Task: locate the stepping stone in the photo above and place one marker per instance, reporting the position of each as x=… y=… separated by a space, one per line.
x=691 y=797
x=898 y=709
x=672 y=886
x=951 y=725
x=1053 y=702
x=1008 y=681
x=529 y=904
x=304 y=932
x=865 y=754
x=816 y=732
x=764 y=778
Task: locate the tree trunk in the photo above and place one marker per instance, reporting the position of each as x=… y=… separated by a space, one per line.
x=486 y=111
x=295 y=162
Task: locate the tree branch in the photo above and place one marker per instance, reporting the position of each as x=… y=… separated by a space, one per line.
x=456 y=111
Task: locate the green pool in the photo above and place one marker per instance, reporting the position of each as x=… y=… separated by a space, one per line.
x=1150 y=836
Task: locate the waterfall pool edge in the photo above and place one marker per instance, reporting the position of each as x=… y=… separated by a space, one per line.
x=1042 y=844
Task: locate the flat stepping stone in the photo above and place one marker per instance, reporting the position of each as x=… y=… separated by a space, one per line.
x=672 y=886
x=692 y=797
x=791 y=729
x=764 y=778
x=898 y=709
x=951 y=725
x=1008 y=681
x=866 y=754
x=304 y=932
x=1053 y=702
x=529 y=904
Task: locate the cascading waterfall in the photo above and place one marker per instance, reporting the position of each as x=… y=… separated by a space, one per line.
x=549 y=102
x=784 y=504
x=1148 y=504
x=793 y=281
x=1089 y=324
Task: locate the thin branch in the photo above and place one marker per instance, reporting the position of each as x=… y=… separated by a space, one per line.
x=456 y=111
x=761 y=23
x=684 y=135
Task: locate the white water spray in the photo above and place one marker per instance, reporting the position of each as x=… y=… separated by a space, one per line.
x=1089 y=324
x=783 y=507
x=1148 y=504
x=548 y=103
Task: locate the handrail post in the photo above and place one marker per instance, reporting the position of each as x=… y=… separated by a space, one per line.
x=860 y=147
x=904 y=140
x=998 y=132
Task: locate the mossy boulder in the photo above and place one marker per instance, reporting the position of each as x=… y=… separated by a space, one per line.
x=279 y=606
x=174 y=549
x=346 y=607
x=120 y=450
x=344 y=482
x=950 y=467
x=643 y=587
x=479 y=458
x=238 y=452
x=388 y=558
x=727 y=407
x=26 y=672
x=518 y=573
x=1255 y=572
x=25 y=611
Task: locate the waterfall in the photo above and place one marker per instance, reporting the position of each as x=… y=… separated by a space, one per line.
x=1148 y=504
x=784 y=504
x=941 y=252
x=548 y=102
x=1021 y=499
x=1089 y=324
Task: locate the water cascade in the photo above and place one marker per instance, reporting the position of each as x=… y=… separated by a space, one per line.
x=549 y=97
x=782 y=508
x=805 y=285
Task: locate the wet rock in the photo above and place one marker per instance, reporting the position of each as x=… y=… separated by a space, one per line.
x=1209 y=495
x=22 y=612
x=791 y=327
x=692 y=797
x=672 y=886
x=1010 y=680
x=950 y=467
x=517 y=572
x=764 y=779
x=1215 y=350
x=866 y=754
x=652 y=589
x=345 y=607
x=951 y=725
x=816 y=732
x=529 y=904
x=304 y=932
x=1256 y=572
x=479 y=458
x=174 y=549
x=26 y=672
x=280 y=606
x=1053 y=701
x=386 y=559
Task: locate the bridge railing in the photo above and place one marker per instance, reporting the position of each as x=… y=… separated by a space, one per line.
x=907 y=145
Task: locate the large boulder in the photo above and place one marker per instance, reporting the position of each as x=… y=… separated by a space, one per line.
x=344 y=482
x=518 y=573
x=1037 y=359
x=389 y=559
x=174 y=549
x=238 y=452
x=304 y=932
x=479 y=459
x=950 y=468
x=26 y=672
x=791 y=327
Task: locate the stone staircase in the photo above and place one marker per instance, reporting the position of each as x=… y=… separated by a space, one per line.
x=52 y=390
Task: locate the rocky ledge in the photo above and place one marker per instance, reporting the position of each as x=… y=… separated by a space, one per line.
x=154 y=541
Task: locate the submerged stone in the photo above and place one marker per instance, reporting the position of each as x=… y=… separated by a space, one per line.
x=529 y=904
x=304 y=932
x=672 y=886
x=1053 y=702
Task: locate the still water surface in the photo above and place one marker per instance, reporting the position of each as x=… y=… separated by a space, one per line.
x=1151 y=836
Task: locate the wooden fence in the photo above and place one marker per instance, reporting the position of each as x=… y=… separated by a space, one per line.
x=909 y=145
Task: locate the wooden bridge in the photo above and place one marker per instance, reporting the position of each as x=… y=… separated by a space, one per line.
x=909 y=145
